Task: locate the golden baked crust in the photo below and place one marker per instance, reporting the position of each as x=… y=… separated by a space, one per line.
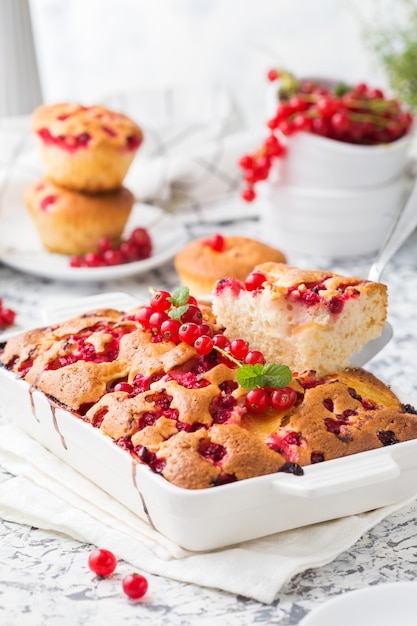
x=105 y=127
x=298 y=310
x=88 y=149
x=350 y=412
x=199 y=266
x=70 y=222
x=185 y=415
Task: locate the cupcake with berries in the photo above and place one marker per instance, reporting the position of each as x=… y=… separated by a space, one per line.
x=81 y=207
x=72 y=223
x=89 y=149
x=202 y=262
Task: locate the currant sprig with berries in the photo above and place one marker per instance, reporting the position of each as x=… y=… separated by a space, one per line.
x=137 y=247
x=177 y=317
x=359 y=115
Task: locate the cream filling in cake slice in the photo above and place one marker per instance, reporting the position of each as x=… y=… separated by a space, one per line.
x=306 y=319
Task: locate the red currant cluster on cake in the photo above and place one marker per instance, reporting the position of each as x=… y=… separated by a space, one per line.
x=359 y=115
x=7 y=316
x=178 y=317
x=136 y=248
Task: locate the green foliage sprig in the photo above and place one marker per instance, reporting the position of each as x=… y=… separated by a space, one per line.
x=393 y=42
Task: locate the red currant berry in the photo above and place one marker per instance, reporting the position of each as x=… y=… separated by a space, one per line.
x=287 y=127
x=192 y=300
x=103 y=244
x=251 y=176
x=375 y=94
x=246 y=162
x=93 y=259
x=298 y=103
x=340 y=121
x=206 y=329
x=135 y=586
x=189 y=332
x=113 y=256
x=160 y=300
x=169 y=330
x=221 y=341
x=76 y=261
x=128 y=251
x=193 y=314
x=254 y=281
x=144 y=314
x=7 y=317
x=248 y=194
x=302 y=122
x=273 y=123
x=239 y=349
x=156 y=320
x=283 y=398
x=321 y=127
x=257 y=400
x=216 y=242
x=326 y=106
x=143 y=242
x=204 y=344
x=102 y=562
x=271 y=143
x=272 y=75
x=253 y=357
x=361 y=88
x=123 y=387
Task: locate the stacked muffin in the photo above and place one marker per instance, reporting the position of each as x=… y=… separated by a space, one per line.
x=86 y=153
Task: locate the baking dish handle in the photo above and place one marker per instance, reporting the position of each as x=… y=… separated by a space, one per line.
x=348 y=475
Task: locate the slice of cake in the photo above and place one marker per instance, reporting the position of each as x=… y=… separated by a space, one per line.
x=307 y=319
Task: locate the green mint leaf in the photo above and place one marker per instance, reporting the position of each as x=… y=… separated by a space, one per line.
x=273 y=375
x=178 y=311
x=179 y=296
x=251 y=376
x=277 y=375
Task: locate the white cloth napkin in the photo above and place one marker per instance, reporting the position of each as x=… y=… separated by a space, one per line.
x=193 y=139
x=46 y=493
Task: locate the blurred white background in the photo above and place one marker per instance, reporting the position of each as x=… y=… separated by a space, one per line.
x=88 y=49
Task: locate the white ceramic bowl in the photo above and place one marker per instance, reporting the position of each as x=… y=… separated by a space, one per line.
x=337 y=223
x=315 y=161
x=208 y=519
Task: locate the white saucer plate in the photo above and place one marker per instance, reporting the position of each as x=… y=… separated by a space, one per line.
x=388 y=604
x=20 y=246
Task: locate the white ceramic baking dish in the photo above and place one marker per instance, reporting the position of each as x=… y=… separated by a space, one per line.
x=212 y=518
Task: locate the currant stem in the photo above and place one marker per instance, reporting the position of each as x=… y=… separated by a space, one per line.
x=228 y=356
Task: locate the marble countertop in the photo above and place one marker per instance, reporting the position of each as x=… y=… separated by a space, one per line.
x=44 y=577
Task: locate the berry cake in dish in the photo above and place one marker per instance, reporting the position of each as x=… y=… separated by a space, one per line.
x=307 y=319
x=167 y=385
x=204 y=261
x=69 y=222
x=86 y=148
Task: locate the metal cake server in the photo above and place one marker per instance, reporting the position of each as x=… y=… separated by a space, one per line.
x=400 y=231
